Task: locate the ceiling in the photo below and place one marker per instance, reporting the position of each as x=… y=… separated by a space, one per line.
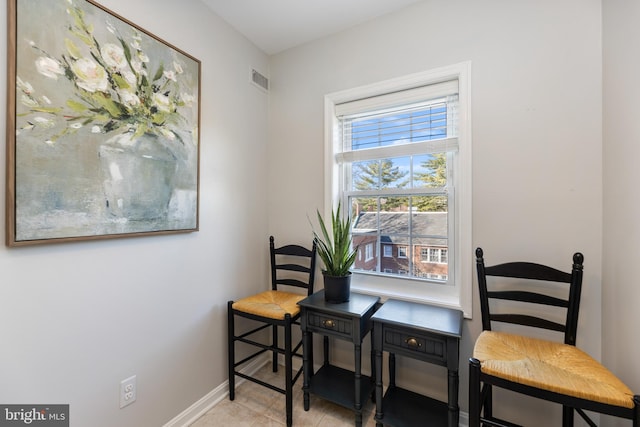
x=277 y=25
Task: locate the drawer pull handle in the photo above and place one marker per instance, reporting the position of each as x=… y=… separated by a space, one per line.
x=413 y=343
x=328 y=323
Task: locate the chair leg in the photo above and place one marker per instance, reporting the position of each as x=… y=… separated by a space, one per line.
x=274 y=343
x=567 y=416
x=288 y=358
x=487 y=401
x=636 y=411
x=474 y=393
x=231 y=350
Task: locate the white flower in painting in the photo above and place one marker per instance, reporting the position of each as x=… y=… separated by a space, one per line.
x=24 y=86
x=187 y=98
x=110 y=27
x=45 y=99
x=95 y=129
x=162 y=102
x=168 y=134
x=44 y=122
x=91 y=76
x=135 y=43
x=76 y=126
x=143 y=57
x=129 y=77
x=49 y=67
x=114 y=56
x=170 y=75
x=129 y=98
x=177 y=67
x=28 y=101
x=136 y=64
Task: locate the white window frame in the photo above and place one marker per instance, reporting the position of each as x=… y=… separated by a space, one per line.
x=369 y=252
x=459 y=295
x=387 y=251
x=402 y=251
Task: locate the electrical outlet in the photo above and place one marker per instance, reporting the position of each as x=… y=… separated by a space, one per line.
x=128 y=391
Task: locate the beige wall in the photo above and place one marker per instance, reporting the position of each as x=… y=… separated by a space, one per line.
x=537 y=144
x=76 y=319
x=620 y=287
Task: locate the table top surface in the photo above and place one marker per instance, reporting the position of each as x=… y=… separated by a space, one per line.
x=428 y=318
x=357 y=306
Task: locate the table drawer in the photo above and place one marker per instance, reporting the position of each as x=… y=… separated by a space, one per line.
x=421 y=346
x=334 y=325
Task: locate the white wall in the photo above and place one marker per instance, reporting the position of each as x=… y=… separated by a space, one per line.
x=537 y=135
x=75 y=319
x=620 y=286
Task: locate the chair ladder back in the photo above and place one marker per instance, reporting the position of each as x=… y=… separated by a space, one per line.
x=532 y=271
x=306 y=265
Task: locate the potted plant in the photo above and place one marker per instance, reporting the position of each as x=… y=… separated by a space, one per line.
x=337 y=255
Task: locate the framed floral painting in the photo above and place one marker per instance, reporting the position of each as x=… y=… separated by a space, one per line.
x=102 y=128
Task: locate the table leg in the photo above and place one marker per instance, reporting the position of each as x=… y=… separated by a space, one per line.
x=307 y=365
x=374 y=375
x=325 y=347
x=378 y=370
x=358 y=386
x=392 y=369
x=454 y=411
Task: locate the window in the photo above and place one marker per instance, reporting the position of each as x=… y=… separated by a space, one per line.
x=402 y=251
x=433 y=255
x=399 y=156
x=368 y=252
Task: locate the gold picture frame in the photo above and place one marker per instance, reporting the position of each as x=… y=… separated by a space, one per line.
x=102 y=127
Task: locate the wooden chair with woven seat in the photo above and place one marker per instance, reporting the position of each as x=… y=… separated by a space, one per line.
x=292 y=266
x=549 y=370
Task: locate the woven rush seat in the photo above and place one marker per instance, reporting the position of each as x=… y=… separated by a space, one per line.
x=549 y=365
x=271 y=304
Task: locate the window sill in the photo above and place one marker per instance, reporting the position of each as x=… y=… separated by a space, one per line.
x=408 y=290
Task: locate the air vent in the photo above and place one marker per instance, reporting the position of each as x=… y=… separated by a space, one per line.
x=260 y=80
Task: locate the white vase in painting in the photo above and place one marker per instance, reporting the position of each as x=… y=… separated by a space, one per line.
x=139 y=176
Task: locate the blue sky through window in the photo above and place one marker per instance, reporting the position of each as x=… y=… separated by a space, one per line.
x=400 y=128
x=418 y=124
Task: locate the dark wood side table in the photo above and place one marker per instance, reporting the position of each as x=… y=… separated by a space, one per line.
x=423 y=332
x=350 y=321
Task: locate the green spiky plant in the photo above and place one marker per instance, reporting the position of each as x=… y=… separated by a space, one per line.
x=335 y=249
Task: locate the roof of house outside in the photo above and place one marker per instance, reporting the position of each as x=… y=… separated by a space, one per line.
x=429 y=228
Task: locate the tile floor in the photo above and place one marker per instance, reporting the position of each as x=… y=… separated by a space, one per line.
x=255 y=405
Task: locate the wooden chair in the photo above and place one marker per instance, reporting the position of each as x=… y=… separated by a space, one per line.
x=291 y=265
x=549 y=370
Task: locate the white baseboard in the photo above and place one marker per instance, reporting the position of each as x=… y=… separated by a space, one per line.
x=463 y=421
x=211 y=399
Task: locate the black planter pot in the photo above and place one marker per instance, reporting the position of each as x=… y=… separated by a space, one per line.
x=337 y=289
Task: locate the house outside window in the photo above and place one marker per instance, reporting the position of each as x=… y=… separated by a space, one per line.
x=399 y=157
